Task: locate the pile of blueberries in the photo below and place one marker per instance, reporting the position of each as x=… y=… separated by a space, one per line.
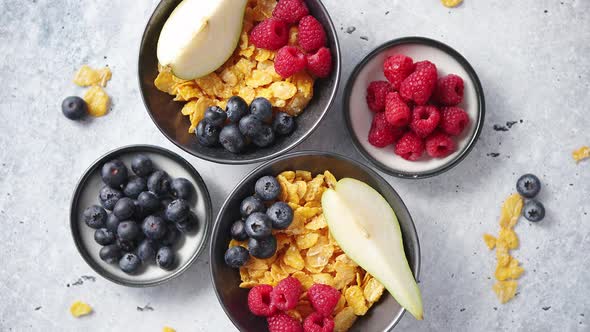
x=257 y=223
x=148 y=213
x=239 y=125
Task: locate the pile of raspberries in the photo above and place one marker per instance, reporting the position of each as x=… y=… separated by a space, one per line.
x=416 y=110
x=310 y=52
x=274 y=304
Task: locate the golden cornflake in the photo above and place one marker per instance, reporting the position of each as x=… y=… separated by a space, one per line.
x=168 y=329
x=356 y=299
x=373 y=290
x=79 y=309
x=451 y=3
x=490 y=241
x=505 y=290
x=344 y=319
x=581 y=153
x=511 y=211
x=86 y=76
x=98 y=101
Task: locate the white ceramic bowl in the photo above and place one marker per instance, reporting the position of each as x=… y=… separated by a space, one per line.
x=358 y=115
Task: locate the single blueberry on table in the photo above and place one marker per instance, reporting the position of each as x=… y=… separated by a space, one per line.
x=250 y=205
x=135 y=185
x=149 y=202
x=533 y=210
x=124 y=208
x=142 y=165
x=104 y=236
x=108 y=197
x=236 y=109
x=528 y=185
x=261 y=108
x=232 y=139
x=215 y=116
x=181 y=188
x=129 y=263
x=262 y=248
x=238 y=231
x=165 y=258
x=267 y=188
x=207 y=134
x=280 y=214
x=74 y=108
x=177 y=210
x=258 y=225
x=114 y=173
x=154 y=227
x=159 y=183
x=110 y=253
x=236 y=256
x=146 y=251
x=95 y=216
x=283 y=124
x=128 y=230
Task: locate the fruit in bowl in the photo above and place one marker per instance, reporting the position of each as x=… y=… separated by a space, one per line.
x=280 y=53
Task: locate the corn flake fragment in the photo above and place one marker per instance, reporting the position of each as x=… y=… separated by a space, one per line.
x=86 y=76
x=168 y=329
x=451 y=3
x=344 y=319
x=581 y=153
x=356 y=300
x=79 y=309
x=490 y=241
x=98 y=101
x=505 y=290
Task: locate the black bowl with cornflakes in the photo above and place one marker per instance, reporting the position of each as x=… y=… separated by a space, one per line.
x=383 y=315
x=166 y=112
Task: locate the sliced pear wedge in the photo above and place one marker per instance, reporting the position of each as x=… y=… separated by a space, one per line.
x=200 y=35
x=366 y=228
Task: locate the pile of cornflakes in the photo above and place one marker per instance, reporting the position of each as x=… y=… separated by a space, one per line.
x=97 y=99
x=581 y=153
x=307 y=251
x=248 y=73
x=508 y=269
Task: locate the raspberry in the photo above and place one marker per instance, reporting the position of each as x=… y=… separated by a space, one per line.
x=449 y=90
x=259 y=301
x=318 y=323
x=396 y=110
x=281 y=322
x=376 y=93
x=396 y=68
x=410 y=146
x=270 y=34
x=439 y=145
x=425 y=119
x=286 y=294
x=289 y=60
x=311 y=35
x=382 y=133
x=320 y=63
x=453 y=120
x=420 y=84
x=323 y=298
x=290 y=11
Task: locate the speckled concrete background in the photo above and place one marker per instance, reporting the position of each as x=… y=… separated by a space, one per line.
x=532 y=59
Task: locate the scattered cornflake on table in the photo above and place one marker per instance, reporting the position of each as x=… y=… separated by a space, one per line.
x=86 y=76
x=505 y=290
x=451 y=3
x=98 y=101
x=79 y=309
x=581 y=153
x=168 y=329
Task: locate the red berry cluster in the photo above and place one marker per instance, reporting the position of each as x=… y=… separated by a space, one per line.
x=416 y=110
x=310 y=53
x=273 y=303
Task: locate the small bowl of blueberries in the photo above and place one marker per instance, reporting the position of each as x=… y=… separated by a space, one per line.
x=140 y=215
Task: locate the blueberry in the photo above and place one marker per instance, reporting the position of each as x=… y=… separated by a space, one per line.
x=280 y=214
x=236 y=108
x=124 y=208
x=528 y=185
x=95 y=217
x=148 y=201
x=126 y=245
x=264 y=248
x=74 y=107
x=238 y=231
x=264 y=138
x=250 y=126
x=181 y=188
x=142 y=165
x=129 y=263
x=135 y=185
x=114 y=173
x=112 y=223
x=128 y=230
x=146 y=251
x=164 y=203
x=262 y=109
x=172 y=235
x=267 y=188
x=250 y=205
x=159 y=183
x=154 y=227
x=104 y=237
x=139 y=213
x=533 y=210
x=283 y=123
x=236 y=256
x=110 y=253
x=232 y=139
x=177 y=210
x=108 y=197
x=215 y=116
x=189 y=224
x=258 y=225
x=165 y=258
x=207 y=134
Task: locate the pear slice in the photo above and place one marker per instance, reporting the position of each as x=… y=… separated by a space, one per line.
x=200 y=35
x=366 y=228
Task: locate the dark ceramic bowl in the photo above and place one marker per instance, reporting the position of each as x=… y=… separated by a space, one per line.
x=187 y=249
x=358 y=116
x=382 y=316
x=166 y=113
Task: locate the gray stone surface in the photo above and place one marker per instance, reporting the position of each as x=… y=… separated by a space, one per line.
x=532 y=58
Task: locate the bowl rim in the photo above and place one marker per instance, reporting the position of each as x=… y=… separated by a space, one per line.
x=130 y=149
x=415 y=267
x=478 y=91
x=336 y=60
